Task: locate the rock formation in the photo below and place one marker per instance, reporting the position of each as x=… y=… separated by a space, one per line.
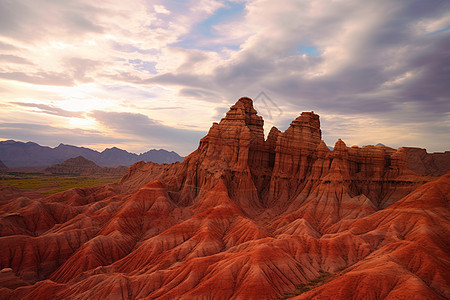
x=242 y=217
x=428 y=164
x=82 y=166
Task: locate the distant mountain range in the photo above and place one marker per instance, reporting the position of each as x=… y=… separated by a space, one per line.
x=28 y=155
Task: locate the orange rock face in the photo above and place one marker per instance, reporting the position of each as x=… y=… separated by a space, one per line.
x=243 y=217
x=431 y=164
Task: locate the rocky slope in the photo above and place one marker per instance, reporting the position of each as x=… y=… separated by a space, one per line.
x=82 y=166
x=242 y=217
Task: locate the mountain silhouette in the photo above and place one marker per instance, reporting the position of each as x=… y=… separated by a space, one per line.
x=24 y=155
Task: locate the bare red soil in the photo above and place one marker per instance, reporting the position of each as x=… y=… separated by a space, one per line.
x=241 y=218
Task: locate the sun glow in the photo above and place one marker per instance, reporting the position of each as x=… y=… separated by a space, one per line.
x=82 y=97
x=82 y=122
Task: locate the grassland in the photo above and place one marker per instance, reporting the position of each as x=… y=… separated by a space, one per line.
x=51 y=184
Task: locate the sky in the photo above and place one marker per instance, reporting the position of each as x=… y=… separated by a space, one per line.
x=148 y=74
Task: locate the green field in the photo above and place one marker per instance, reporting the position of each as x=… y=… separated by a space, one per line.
x=51 y=184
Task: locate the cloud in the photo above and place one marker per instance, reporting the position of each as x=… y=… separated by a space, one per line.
x=203 y=94
x=130 y=48
x=7 y=47
x=210 y=33
x=160 y=9
x=380 y=61
x=139 y=126
x=356 y=130
x=14 y=59
x=40 y=78
x=53 y=136
x=165 y=108
x=33 y=20
x=51 y=110
x=377 y=60
x=375 y=48
x=82 y=69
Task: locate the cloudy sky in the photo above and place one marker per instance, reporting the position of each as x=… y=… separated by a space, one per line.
x=141 y=74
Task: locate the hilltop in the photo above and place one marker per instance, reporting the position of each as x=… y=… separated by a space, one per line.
x=27 y=155
x=242 y=217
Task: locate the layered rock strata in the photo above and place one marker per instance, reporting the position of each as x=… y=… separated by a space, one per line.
x=272 y=173
x=428 y=164
x=242 y=217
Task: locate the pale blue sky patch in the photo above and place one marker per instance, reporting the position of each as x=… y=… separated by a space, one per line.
x=440 y=30
x=308 y=50
x=128 y=48
x=233 y=47
x=129 y=91
x=147 y=66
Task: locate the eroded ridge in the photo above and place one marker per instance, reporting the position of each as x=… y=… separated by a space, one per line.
x=243 y=217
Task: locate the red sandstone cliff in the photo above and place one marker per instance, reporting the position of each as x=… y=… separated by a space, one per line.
x=242 y=217
x=428 y=164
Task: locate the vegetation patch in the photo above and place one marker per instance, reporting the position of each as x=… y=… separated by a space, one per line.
x=51 y=184
x=305 y=287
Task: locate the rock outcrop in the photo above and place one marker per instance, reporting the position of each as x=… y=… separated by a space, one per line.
x=243 y=217
x=285 y=168
x=231 y=150
x=428 y=164
x=82 y=166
